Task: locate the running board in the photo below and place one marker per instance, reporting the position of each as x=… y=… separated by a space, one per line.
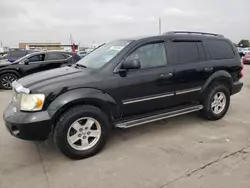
x=156 y=117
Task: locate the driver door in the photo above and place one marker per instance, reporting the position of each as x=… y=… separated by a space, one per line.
x=33 y=64
x=151 y=87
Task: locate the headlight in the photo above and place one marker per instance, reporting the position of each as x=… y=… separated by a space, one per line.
x=32 y=102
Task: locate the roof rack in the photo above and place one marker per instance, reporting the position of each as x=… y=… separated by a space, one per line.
x=191 y=32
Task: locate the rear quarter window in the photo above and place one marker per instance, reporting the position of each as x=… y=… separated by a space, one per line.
x=55 y=56
x=220 y=49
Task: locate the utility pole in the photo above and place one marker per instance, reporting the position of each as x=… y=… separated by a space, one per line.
x=159 y=26
x=71 y=39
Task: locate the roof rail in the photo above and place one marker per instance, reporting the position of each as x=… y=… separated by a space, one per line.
x=191 y=32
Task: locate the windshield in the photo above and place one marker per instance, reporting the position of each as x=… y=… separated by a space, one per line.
x=103 y=54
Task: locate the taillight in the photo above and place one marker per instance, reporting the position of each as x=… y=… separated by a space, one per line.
x=241 y=72
x=244 y=59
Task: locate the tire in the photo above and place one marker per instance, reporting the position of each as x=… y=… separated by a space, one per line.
x=70 y=124
x=214 y=91
x=6 y=79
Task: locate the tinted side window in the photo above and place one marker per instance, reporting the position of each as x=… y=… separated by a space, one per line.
x=55 y=56
x=187 y=52
x=202 y=51
x=75 y=58
x=220 y=49
x=66 y=56
x=17 y=53
x=150 y=55
x=35 y=58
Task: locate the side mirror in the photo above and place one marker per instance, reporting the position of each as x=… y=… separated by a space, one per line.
x=131 y=64
x=26 y=61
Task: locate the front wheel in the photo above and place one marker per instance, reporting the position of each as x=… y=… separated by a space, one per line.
x=6 y=80
x=217 y=102
x=81 y=132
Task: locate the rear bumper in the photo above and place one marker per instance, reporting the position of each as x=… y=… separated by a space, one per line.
x=27 y=125
x=247 y=61
x=236 y=87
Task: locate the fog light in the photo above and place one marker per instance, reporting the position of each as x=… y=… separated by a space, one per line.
x=15 y=131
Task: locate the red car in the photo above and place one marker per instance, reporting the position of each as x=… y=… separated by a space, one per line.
x=246 y=59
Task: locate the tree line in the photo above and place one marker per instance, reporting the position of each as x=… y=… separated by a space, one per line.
x=244 y=43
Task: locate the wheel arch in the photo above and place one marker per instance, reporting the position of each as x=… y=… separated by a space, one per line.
x=84 y=96
x=218 y=77
x=10 y=71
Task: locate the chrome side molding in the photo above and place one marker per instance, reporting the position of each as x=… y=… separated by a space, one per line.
x=147 y=98
x=179 y=92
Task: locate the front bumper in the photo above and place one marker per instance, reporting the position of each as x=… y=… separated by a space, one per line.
x=236 y=87
x=27 y=125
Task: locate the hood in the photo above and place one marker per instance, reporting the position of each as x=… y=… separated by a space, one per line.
x=51 y=78
x=4 y=63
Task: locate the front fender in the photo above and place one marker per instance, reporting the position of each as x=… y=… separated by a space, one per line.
x=88 y=96
x=221 y=75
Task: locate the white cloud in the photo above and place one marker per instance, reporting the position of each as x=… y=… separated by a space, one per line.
x=123 y=18
x=172 y=11
x=151 y=19
x=103 y=20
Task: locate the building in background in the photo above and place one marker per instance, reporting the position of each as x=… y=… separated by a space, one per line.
x=41 y=46
x=48 y=46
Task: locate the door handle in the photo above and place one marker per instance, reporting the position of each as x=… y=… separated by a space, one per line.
x=167 y=76
x=208 y=69
x=170 y=74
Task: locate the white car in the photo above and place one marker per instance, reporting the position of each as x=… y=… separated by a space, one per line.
x=4 y=56
x=246 y=50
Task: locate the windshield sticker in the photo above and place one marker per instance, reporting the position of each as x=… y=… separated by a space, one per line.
x=116 y=48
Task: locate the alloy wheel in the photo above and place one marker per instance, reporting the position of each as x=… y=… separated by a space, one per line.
x=84 y=133
x=218 y=103
x=7 y=80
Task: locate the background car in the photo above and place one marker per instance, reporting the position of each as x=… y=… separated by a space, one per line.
x=82 y=54
x=246 y=59
x=246 y=50
x=15 y=54
x=240 y=51
x=32 y=63
x=3 y=56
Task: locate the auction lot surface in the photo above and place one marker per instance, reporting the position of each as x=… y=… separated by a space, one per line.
x=184 y=151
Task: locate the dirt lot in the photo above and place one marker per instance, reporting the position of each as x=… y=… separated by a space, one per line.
x=185 y=151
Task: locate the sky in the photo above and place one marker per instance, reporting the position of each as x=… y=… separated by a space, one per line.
x=96 y=21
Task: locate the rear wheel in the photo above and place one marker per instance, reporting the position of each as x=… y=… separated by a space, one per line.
x=6 y=80
x=82 y=132
x=217 y=102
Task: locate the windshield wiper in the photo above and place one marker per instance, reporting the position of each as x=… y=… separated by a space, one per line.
x=79 y=65
x=98 y=47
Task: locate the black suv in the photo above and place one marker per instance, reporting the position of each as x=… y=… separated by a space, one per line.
x=122 y=84
x=32 y=63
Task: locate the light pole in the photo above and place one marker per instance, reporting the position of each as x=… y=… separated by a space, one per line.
x=159 y=26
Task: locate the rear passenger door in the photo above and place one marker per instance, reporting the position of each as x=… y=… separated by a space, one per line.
x=191 y=69
x=55 y=60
